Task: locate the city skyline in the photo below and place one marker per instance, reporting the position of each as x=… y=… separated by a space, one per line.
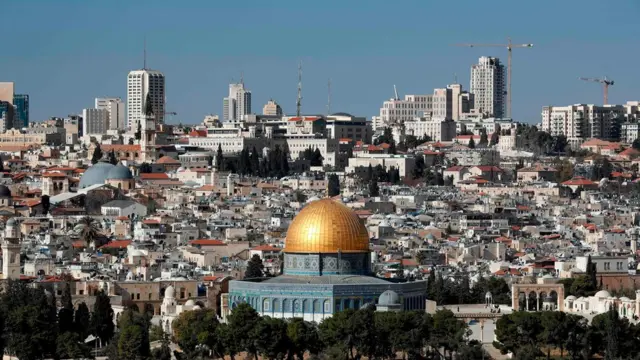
x=363 y=60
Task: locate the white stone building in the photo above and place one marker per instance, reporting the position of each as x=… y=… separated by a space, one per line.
x=488 y=86
x=139 y=84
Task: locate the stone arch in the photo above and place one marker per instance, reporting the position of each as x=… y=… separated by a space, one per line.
x=286 y=304
x=534 y=290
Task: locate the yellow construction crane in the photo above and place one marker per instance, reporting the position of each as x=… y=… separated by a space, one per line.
x=605 y=86
x=510 y=46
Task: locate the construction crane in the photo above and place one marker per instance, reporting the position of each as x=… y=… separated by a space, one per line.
x=172 y=113
x=605 y=86
x=510 y=46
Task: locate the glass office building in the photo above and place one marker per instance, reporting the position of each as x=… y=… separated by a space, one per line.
x=21 y=103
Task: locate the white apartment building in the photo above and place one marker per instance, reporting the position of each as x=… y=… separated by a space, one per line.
x=347 y=126
x=237 y=104
x=360 y=165
x=376 y=123
x=139 y=84
x=115 y=107
x=271 y=108
x=396 y=110
x=584 y=121
x=95 y=121
x=629 y=132
x=437 y=130
x=488 y=86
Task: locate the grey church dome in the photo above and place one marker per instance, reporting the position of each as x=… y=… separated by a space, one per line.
x=95 y=174
x=388 y=298
x=4 y=191
x=119 y=172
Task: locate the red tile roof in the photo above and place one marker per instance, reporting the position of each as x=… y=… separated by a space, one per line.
x=116 y=244
x=167 y=160
x=154 y=176
x=207 y=242
x=579 y=181
x=266 y=248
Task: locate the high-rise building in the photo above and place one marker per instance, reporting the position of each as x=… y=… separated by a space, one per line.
x=272 y=108
x=584 y=121
x=6 y=92
x=21 y=103
x=139 y=84
x=95 y=121
x=115 y=107
x=7 y=114
x=488 y=86
x=237 y=104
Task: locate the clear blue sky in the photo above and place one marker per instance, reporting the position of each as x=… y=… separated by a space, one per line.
x=64 y=53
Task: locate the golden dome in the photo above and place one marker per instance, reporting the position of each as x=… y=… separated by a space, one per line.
x=326 y=226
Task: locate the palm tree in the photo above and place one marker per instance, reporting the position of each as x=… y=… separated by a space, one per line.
x=89 y=230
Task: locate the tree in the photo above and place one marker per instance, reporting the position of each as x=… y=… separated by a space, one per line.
x=299 y=196
x=449 y=333
x=145 y=168
x=112 y=158
x=555 y=331
x=338 y=331
x=243 y=322
x=472 y=143
x=97 y=154
x=89 y=230
x=303 y=337
x=219 y=158
x=46 y=204
x=131 y=141
x=374 y=189
x=255 y=269
x=316 y=158
x=82 y=320
x=138 y=133
x=495 y=138
x=518 y=333
x=65 y=315
x=484 y=141
x=194 y=329
x=271 y=338
x=254 y=161
x=333 y=186
x=164 y=351
x=102 y=318
x=636 y=144
x=69 y=345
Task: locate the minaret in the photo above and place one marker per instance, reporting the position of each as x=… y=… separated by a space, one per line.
x=148 y=129
x=11 y=251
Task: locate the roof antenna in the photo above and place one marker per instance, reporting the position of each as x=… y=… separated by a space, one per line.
x=329 y=97
x=299 y=100
x=144 y=61
x=455 y=78
x=242 y=78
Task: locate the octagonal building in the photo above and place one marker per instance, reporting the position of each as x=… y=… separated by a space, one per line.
x=327 y=268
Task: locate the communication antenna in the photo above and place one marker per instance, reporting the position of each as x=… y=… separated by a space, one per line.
x=329 y=97
x=395 y=91
x=299 y=100
x=455 y=78
x=242 y=78
x=144 y=54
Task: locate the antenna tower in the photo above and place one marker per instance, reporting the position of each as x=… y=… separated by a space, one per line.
x=299 y=100
x=144 y=54
x=329 y=97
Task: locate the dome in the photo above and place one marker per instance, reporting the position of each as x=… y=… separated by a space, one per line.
x=95 y=174
x=388 y=298
x=119 y=172
x=602 y=294
x=169 y=292
x=624 y=298
x=190 y=303
x=4 y=191
x=570 y=297
x=326 y=226
x=12 y=222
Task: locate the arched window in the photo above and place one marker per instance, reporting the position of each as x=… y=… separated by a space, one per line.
x=266 y=305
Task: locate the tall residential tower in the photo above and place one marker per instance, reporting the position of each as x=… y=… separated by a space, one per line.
x=488 y=86
x=141 y=83
x=237 y=104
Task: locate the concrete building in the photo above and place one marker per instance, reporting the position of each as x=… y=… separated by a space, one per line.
x=7 y=92
x=343 y=125
x=583 y=121
x=237 y=104
x=359 y=165
x=139 y=84
x=95 y=121
x=115 y=107
x=272 y=108
x=488 y=86
x=21 y=116
x=437 y=130
x=396 y=110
